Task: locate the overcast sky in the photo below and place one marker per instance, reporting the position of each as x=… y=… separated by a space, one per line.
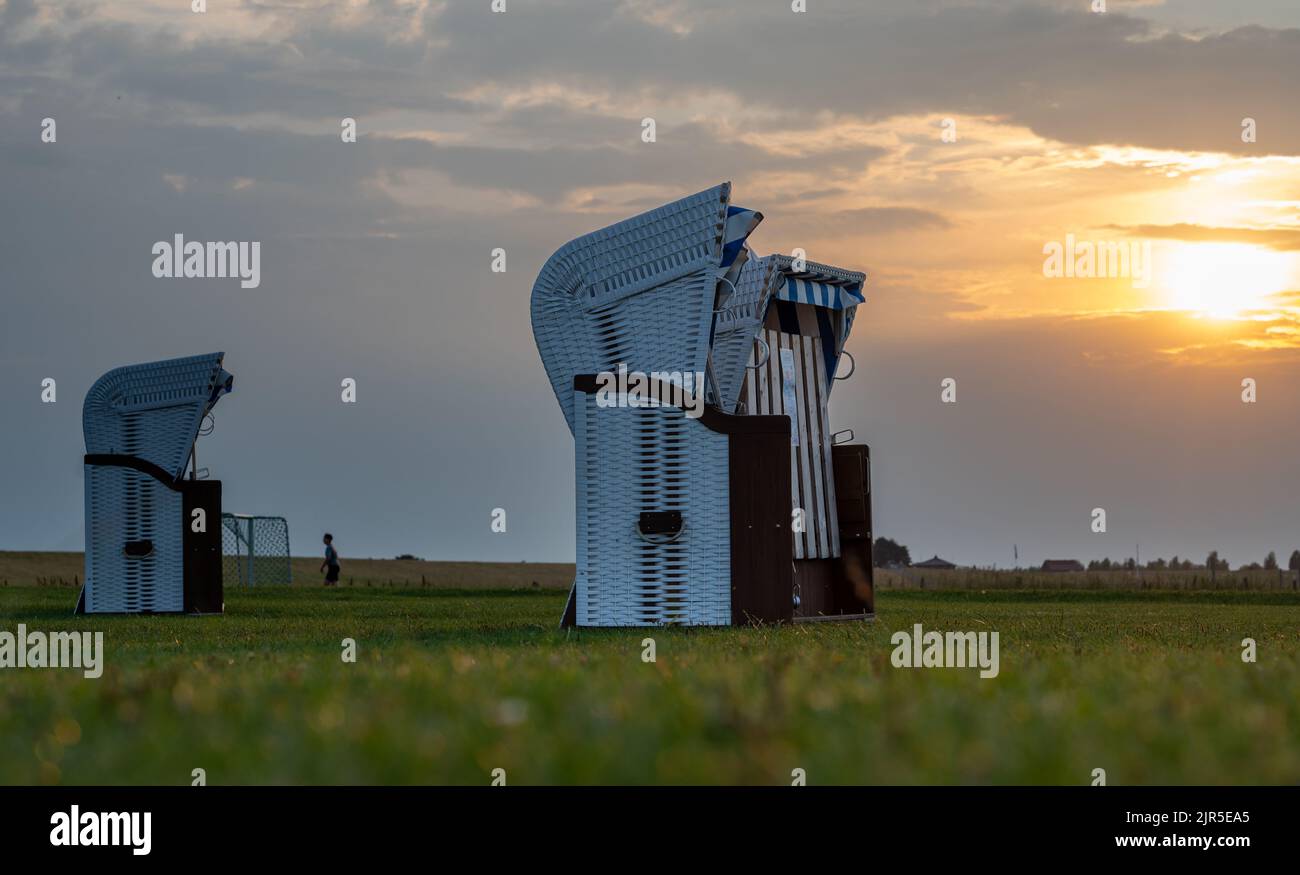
x=522 y=130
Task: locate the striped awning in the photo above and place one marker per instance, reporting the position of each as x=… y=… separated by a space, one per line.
x=819 y=294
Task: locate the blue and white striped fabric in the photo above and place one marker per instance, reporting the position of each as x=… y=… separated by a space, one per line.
x=735 y=255
x=740 y=222
x=819 y=294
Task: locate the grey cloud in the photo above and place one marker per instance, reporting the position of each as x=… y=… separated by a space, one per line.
x=883 y=220
x=1072 y=75
x=1068 y=74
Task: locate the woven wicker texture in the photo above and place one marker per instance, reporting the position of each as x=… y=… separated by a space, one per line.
x=738 y=322
x=152 y=411
x=634 y=459
x=639 y=292
x=124 y=505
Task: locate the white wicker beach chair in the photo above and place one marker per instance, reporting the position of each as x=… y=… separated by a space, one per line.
x=683 y=520
x=655 y=511
x=153 y=539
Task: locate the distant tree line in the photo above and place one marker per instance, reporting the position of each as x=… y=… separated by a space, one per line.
x=1212 y=562
x=887 y=551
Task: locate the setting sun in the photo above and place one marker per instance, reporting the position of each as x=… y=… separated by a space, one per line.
x=1223 y=280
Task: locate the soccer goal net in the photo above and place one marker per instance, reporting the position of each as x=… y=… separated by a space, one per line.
x=254 y=550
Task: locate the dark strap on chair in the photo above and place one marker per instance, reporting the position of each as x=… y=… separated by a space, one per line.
x=135 y=463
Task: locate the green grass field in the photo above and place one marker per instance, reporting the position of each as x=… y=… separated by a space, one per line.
x=66 y=569
x=451 y=684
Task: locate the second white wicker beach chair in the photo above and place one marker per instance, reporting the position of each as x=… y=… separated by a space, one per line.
x=153 y=538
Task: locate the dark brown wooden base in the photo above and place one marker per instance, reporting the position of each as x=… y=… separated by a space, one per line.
x=202 y=561
x=832 y=587
x=856 y=571
x=202 y=591
x=761 y=544
x=765 y=578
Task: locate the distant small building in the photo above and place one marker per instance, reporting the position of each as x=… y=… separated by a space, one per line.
x=934 y=562
x=1062 y=565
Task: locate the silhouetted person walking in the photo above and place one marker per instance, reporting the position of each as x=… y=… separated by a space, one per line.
x=331 y=564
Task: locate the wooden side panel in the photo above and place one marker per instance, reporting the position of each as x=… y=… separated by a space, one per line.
x=761 y=546
x=854 y=589
x=853 y=490
x=202 y=559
